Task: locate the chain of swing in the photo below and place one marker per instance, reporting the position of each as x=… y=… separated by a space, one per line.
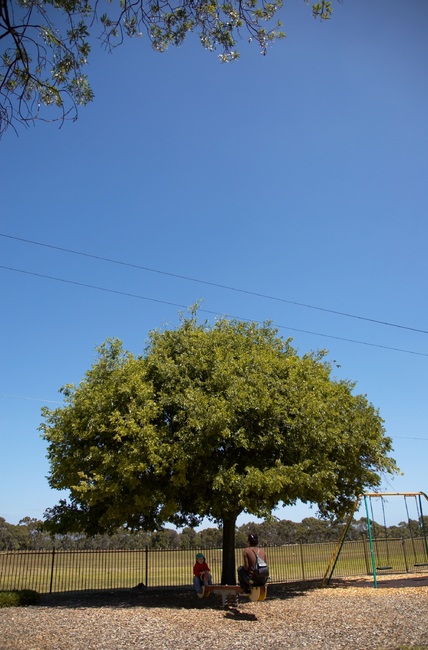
x=380 y=566
x=374 y=542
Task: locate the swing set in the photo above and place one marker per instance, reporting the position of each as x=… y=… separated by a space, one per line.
x=381 y=560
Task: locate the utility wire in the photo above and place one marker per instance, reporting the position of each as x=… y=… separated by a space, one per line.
x=32 y=399
x=407 y=438
x=213 y=284
x=206 y=311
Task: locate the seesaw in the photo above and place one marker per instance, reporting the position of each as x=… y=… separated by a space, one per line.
x=230 y=593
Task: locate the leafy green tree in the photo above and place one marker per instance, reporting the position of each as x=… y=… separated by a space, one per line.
x=27 y=535
x=22 y=536
x=30 y=534
x=357 y=529
x=240 y=538
x=211 y=421
x=210 y=537
x=287 y=532
x=165 y=538
x=313 y=530
x=46 y=44
x=189 y=538
x=8 y=541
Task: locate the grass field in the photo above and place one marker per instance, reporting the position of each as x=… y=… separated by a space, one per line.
x=47 y=571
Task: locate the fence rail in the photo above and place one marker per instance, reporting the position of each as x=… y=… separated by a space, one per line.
x=58 y=571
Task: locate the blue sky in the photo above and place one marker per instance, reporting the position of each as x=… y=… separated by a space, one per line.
x=301 y=175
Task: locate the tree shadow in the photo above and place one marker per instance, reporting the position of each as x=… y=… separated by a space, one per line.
x=164 y=598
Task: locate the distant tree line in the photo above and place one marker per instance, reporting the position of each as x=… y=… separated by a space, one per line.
x=29 y=534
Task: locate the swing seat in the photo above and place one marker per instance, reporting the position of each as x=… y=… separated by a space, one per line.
x=384 y=568
x=421 y=564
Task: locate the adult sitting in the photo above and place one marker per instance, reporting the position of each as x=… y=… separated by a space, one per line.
x=245 y=573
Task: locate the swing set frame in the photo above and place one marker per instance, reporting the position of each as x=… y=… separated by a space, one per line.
x=366 y=496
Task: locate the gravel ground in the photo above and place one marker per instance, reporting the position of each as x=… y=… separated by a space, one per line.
x=344 y=616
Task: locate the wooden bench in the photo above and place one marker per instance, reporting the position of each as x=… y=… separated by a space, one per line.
x=230 y=593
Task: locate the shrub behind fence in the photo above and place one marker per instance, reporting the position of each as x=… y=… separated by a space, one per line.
x=58 y=571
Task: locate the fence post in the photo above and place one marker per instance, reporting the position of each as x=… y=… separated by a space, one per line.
x=366 y=559
x=147 y=566
x=52 y=569
x=302 y=562
x=403 y=545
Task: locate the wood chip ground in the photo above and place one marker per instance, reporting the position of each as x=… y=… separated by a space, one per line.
x=349 y=615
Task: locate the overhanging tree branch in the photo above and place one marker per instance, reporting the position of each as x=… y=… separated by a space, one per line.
x=46 y=43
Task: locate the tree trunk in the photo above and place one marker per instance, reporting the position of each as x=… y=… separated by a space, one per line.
x=228 y=574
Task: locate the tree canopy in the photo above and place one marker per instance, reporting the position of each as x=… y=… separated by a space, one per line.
x=46 y=43
x=211 y=421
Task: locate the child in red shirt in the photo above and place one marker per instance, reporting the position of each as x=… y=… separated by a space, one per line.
x=201 y=573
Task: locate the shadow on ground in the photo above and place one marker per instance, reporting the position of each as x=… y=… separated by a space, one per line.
x=167 y=598
x=186 y=598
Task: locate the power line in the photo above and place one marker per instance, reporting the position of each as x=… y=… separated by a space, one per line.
x=32 y=399
x=408 y=438
x=213 y=284
x=206 y=311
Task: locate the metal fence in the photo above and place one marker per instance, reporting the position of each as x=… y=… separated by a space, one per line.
x=59 y=571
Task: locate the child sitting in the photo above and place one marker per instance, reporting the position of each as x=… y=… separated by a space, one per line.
x=201 y=573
